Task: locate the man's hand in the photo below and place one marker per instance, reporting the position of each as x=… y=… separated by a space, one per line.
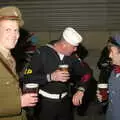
x=29 y=99
x=59 y=75
x=77 y=98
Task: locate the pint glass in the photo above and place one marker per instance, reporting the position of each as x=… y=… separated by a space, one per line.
x=30 y=88
x=63 y=67
x=103 y=88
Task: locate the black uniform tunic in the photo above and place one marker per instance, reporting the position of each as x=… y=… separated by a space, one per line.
x=45 y=61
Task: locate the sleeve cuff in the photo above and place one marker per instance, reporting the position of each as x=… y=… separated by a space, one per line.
x=81 y=89
x=49 y=77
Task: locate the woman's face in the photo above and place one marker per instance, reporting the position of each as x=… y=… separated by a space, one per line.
x=114 y=54
x=9 y=33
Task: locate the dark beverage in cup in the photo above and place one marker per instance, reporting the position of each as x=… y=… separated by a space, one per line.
x=63 y=67
x=30 y=88
x=103 y=88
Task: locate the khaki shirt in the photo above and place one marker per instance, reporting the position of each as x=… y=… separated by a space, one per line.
x=5 y=78
x=7 y=54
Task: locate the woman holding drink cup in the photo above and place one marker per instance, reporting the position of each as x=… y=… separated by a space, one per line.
x=11 y=99
x=114 y=80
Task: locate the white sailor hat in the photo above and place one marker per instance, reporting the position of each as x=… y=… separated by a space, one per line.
x=72 y=36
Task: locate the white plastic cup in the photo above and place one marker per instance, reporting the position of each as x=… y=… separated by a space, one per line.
x=103 y=89
x=31 y=88
x=63 y=67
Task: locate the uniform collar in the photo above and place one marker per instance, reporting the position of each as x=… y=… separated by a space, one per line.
x=60 y=55
x=5 y=52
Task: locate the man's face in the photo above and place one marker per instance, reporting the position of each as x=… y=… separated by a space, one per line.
x=115 y=55
x=9 y=33
x=69 y=49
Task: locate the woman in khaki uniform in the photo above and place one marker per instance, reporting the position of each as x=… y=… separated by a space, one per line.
x=11 y=98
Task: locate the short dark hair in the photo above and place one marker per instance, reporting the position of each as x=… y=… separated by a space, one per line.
x=109 y=45
x=113 y=41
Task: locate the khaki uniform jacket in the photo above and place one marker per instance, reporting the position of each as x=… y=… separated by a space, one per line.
x=10 y=104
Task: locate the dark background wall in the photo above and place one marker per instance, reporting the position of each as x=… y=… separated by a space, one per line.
x=54 y=15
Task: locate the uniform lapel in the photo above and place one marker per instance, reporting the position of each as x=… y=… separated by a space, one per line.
x=7 y=66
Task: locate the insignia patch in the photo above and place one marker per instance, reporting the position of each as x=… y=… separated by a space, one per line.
x=28 y=71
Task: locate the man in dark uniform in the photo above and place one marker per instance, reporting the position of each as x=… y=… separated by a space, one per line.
x=54 y=83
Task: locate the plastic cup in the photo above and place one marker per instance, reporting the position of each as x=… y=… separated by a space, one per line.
x=103 y=88
x=64 y=67
x=30 y=88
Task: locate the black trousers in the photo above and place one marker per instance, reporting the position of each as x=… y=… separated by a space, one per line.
x=89 y=96
x=56 y=109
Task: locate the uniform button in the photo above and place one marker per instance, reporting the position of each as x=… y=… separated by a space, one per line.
x=7 y=83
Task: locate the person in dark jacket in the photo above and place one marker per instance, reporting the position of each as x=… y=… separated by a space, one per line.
x=55 y=103
x=90 y=93
x=114 y=80
x=105 y=67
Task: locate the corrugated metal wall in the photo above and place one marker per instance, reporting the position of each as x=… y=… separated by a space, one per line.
x=54 y=15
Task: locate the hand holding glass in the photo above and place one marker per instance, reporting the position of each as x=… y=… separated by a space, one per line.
x=103 y=91
x=63 y=67
x=30 y=88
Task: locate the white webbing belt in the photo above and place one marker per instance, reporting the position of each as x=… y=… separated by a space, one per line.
x=52 y=96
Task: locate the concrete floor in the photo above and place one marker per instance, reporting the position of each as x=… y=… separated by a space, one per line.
x=92 y=113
